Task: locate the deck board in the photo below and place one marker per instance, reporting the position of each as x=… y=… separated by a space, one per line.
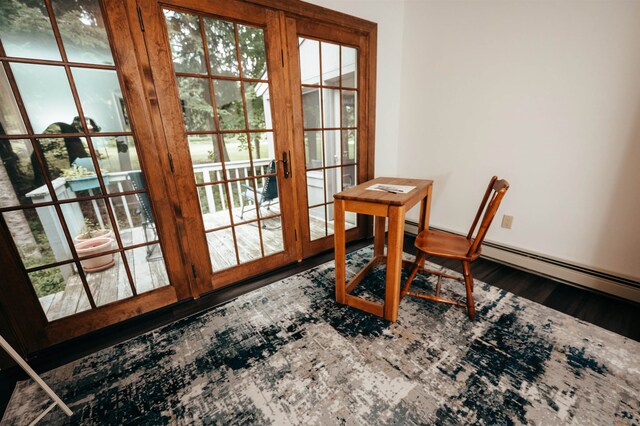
x=112 y=284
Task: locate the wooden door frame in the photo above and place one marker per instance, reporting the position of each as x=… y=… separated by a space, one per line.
x=188 y=276
x=169 y=111
x=303 y=26
x=20 y=302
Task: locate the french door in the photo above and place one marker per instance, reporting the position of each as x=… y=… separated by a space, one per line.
x=266 y=116
x=87 y=240
x=154 y=151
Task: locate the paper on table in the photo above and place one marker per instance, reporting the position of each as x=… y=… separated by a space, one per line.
x=394 y=189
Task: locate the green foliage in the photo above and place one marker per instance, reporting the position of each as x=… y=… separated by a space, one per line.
x=47 y=281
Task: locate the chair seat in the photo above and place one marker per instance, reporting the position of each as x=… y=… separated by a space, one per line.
x=445 y=245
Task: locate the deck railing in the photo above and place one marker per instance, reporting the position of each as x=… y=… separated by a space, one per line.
x=213 y=200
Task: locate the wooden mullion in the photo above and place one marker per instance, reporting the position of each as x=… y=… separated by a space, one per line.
x=70 y=200
x=53 y=62
x=225 y=132
x=220 y=141
x=219 y=77
x=317 y=86
x=245 y=112
x=62 y=135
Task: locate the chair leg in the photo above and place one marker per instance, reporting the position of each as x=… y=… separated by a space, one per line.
x=414 y=270
x=468 y=281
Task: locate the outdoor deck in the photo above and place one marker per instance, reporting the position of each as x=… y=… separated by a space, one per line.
x=112 y=284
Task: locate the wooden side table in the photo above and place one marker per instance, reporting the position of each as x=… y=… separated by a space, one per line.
x=382 y=205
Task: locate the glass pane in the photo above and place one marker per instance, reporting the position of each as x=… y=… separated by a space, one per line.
x=147 y=268
x=134 y=218
x=315 y=187
x=248 y=237
x=317 y=219
x=333 y=182
x=330 y=64
x=221 y=249
x=331 y=106
x=38 y=235
x=17 y=177
x=258 y=106
x=349 y=146
x=110 y=284
x=205 y=158
x=11 y=122
x=349 y=67
x=60 y=291
x=221 y=42
x=349 y=109
x=330 y=217
x=25 y=30
x=46 y=95
x=349 y=177
x=332 y=147
x=350 y=220
x=83 y=31
x=213 y=204
x=229 y=104
x=309 y=61
x=313 y=149
x=118 y=162
x=244 y=195
x=89 y=225
x=272 y=235
x=263 y=152
x=252 y=51
x=101 y=99
x=186 y=42
x=197 y=107
x=311 y=108
x=67 y=159
x=236 y=154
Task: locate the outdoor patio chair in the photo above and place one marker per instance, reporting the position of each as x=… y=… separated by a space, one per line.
x=137 y=182
x=450 y=246
x=265 y=195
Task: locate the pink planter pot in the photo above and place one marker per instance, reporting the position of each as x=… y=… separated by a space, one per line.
x=102 y=233
x=92 y=247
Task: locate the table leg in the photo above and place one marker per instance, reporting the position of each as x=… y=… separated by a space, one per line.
x=425 y=213
x=339 y=249
x=378 y=242
x=394 y=262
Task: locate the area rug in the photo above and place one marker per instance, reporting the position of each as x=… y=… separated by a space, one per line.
x=288 y=354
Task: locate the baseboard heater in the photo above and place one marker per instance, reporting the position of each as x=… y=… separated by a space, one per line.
x=555 y=269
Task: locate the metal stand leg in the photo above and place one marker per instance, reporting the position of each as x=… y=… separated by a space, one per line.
x=22 y=363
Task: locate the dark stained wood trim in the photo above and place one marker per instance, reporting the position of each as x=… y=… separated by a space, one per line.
x=84 y=322
x=319 y=13
x=180 y=198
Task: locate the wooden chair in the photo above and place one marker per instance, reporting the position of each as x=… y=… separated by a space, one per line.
x=265 y=195
x=466 y=249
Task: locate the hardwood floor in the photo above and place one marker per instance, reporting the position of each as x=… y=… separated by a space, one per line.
x=602 y=310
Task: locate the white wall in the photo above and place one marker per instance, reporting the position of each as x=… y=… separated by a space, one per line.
x=389 y=15
x=543 y=93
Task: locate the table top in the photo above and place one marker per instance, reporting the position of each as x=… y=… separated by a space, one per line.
x=361 y=193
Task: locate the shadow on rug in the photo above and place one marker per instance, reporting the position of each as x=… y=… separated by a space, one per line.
x=288 y=354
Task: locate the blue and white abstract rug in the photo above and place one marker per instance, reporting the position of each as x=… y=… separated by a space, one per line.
x=288 y=354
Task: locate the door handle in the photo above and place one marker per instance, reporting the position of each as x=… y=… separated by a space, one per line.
x=285 y=164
